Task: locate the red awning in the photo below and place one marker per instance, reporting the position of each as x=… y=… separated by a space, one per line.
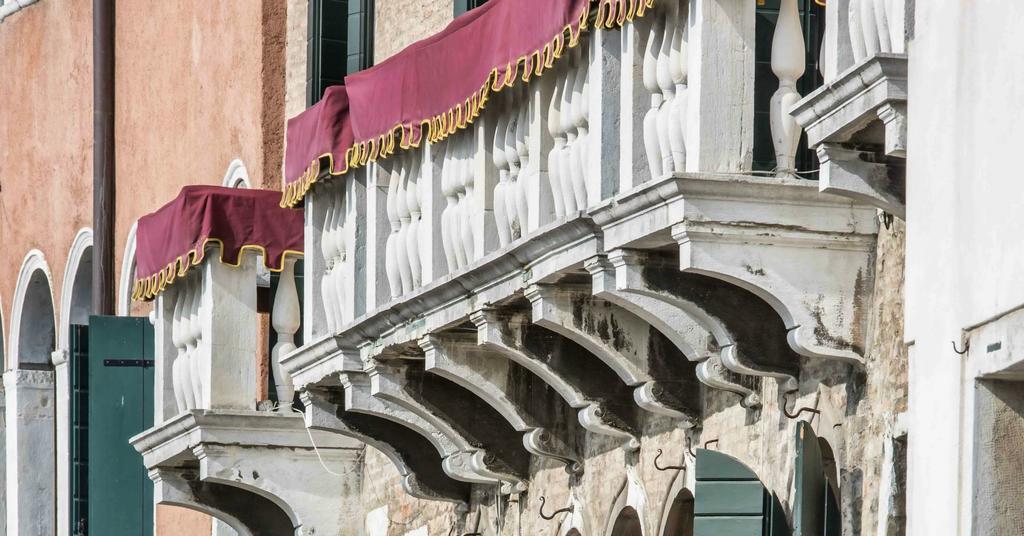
x=440 y=83
x=173 y=239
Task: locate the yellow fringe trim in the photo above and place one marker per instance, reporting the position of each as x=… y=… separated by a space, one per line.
x=610 y=14
x=148 y=288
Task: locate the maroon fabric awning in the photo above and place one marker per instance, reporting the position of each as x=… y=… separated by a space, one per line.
x=440 y=83
x=173 y=239
x=321 y=135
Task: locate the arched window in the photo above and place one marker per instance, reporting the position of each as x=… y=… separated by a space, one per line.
x=627 y=523
x=680 y=516
x=33 y=326
x=237 y=176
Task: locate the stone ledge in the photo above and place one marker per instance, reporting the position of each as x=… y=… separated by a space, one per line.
x=11 y=7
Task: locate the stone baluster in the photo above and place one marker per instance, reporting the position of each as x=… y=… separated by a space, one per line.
x=340 y=273
x=788 y=65
x=554 y=123
x=876 y=26
x=678 y=72
x=459 y=219
x=650 y=73
x=414 y=202
x=391 y=246
x=194 y=283
x=469 y=231
x=502 y=216
x=667 y=87
x=515 y=164
x=327 y=246
x=525 y=107
x=405 y=221
x=578 y=128
x=451 y=200
x=565 y=125
x=286 y=321
x=181 y=380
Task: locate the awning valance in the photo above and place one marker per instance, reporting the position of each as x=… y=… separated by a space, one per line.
x=173 y=239
x=440 y=84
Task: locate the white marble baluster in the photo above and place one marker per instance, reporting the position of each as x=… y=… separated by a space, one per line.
x=286 y=320
x=554 y=157
x=856 y=31
x=451 y=199
x=565 y=125
x=896 y=16
x=339 y=273
x=391 y=246
x=650 y=72
x=882 y=26
x=788 y=65
x=678 y=70
x=459 y=220
x=405 y=219
x=501 y=215
x=413 y=201
x=469 y=231
x=869 y=27
x=664 y=76
x=327 y=248
x=180 y=381
x=579 y=126
x=515 y=167
x=523 y=150
x=195 y=326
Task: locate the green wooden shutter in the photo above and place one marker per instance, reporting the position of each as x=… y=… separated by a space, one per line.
x=339 y=42
x=729 y=500
x=815 y=509
x=360 y=35
x=812 y=17
x=462 y=6
x=112 y=385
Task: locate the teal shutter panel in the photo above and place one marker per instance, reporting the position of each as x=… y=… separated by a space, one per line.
x=113 y=384
x=359 y=55
x=730 y=500
x=815 y=509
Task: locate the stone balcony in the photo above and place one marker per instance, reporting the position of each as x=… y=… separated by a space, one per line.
x=210 y=449
x=590 y=250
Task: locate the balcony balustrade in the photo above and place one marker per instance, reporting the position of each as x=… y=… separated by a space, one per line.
x=597 y=230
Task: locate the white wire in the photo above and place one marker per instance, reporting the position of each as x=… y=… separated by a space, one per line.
x=315 y=448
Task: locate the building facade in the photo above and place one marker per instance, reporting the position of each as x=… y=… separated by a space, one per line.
x=682 y=267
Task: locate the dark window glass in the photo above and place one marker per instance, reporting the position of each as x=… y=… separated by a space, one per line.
x=462 y=6
x=812 y=20
x=340 y=41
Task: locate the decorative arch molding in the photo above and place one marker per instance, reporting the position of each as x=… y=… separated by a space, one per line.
x=73 y=289
x=237 y=176
x=681 y=486
x=34 y=281
x=576 y=523
x=124 y=287
x=631 y=499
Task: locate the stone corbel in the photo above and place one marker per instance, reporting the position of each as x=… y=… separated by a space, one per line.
x=417 y=461
x=528 y=404
x=181 y=487
x=455 y=461
x=817 y=281
x=662 y=378
x=595 y=392
x=858 y=123
x=863 y=176
x=312 y=505
x=618 y=278
x=467 y=421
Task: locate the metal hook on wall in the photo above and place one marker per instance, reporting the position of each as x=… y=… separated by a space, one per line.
x=709 y=442
x=689 y=447
x=549 y=517
x=799 y=411
x=667 y=467
x=967 y=347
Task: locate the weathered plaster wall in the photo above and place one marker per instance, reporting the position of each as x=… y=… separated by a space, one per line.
x=863 y=403
x=45 y=136
x=399 y=23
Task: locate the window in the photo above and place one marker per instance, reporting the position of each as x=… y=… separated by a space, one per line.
x=462 y=6
x=812 y=20
x=340 y=41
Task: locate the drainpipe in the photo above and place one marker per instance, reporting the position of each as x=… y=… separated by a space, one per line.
x=103 y=157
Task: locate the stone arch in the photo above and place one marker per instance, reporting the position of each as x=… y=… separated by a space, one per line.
x=628 y=514
x=627 y=523
x=33 y=321
x=124 y=287
x=76 y=289
x=237 y=176
x=677 y=512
